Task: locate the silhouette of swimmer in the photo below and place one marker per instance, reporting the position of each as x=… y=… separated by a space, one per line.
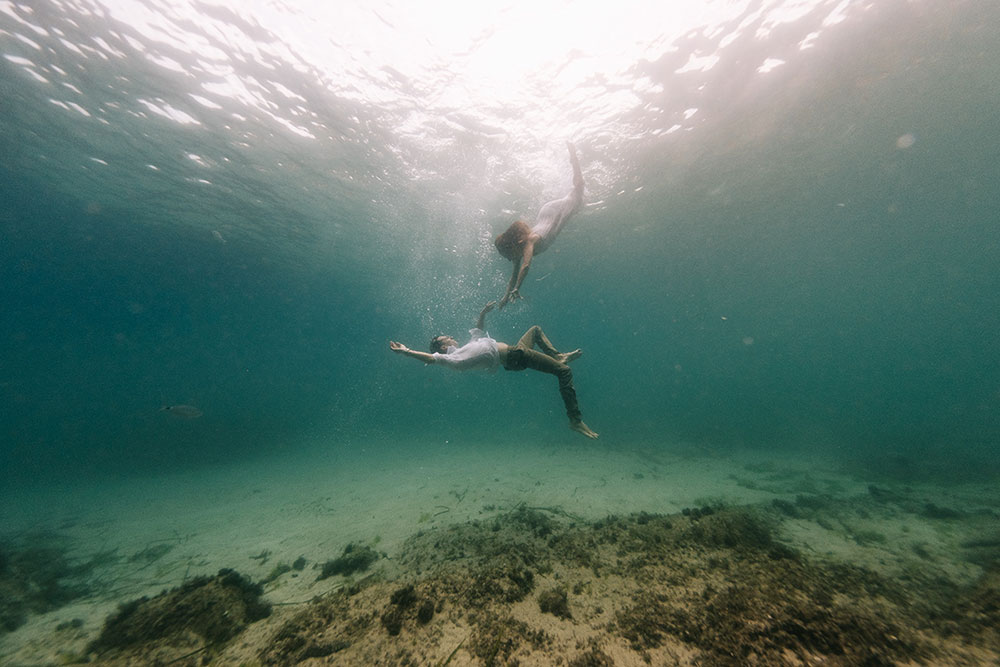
x=521 y=242
x=484 y=353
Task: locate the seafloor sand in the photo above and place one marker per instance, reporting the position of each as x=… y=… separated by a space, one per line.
x=794 y=561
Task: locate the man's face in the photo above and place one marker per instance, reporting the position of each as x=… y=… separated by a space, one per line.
x=444 y=342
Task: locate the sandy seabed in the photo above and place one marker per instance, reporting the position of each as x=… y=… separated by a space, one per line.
x=436 y=554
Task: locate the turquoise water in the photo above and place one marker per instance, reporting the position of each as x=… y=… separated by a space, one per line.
x=203 y=205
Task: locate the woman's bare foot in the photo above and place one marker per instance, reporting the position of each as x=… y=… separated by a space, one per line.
x=566 y=357
x=580 y=427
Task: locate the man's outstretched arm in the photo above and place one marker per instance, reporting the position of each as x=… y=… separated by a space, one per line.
x=416 y=354
x=481 y=322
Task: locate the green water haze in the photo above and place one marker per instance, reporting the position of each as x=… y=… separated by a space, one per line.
x=801 y=259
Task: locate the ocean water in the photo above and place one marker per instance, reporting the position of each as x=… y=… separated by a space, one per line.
x=789 y=239
x=789 y=245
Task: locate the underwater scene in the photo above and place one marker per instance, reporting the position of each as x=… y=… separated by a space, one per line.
x=456 y=333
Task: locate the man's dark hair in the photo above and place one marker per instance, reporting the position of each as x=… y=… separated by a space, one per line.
x=437 y=343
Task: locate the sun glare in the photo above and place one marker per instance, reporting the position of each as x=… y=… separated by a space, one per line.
x=514 y=68
x=489 y=48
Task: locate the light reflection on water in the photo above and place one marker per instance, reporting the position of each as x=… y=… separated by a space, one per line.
x=519 y=77
x=340 y=131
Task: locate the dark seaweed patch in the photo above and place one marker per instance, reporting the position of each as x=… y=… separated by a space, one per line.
x=554 y=601
x=355 y=558
x=37 y=575
x=215 y=609
x=706 y=588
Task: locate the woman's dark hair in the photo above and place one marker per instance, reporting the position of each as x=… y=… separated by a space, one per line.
x=510 y=242
x=437 y=344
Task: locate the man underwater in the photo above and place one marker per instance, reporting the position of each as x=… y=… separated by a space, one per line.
x=485 y=353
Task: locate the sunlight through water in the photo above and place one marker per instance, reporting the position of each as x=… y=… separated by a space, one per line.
x=270 y=119
x=531 y=73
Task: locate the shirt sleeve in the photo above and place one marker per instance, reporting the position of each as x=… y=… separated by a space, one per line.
x=446 y=359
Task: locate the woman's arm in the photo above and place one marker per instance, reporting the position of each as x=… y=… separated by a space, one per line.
x=416 y=354
x=529 y=252
x=520 y=271
x=510 y=284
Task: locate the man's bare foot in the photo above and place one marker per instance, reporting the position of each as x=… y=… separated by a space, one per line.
x=566 y=357
x=580 y=427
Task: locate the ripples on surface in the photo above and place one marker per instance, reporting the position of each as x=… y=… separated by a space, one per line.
x=309 y=95
x=382 y=133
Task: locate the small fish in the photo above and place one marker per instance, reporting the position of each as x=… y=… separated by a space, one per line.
x=182 y=411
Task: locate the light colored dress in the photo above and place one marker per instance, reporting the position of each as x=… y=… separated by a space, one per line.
x=552 y=216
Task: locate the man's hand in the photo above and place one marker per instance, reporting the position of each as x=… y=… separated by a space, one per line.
x=481 y=322
x=399 y=348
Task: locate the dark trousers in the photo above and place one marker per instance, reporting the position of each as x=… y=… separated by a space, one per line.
x=523 y=355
